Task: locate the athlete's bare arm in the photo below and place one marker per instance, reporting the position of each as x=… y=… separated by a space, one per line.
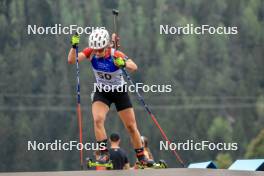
x=131 y=65
x=72 y=56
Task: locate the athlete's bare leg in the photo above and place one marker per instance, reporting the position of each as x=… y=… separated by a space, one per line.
x=128 y=118
x=99 y=110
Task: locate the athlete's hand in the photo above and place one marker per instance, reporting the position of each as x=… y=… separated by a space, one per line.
x=75 y=40
x=120 y=62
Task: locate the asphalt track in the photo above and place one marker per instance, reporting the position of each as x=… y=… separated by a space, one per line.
x=147 y=172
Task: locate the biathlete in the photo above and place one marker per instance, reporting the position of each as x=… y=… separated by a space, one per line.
x=107 y=64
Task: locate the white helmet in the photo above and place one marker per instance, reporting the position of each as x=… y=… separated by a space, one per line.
x=98 y=39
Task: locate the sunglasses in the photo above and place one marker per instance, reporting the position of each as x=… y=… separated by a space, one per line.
x=99 y=50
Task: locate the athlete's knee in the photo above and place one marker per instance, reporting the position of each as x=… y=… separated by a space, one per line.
x=99 y=120
x=132 y=128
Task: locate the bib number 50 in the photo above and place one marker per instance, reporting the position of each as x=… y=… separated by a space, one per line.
x=104 y=75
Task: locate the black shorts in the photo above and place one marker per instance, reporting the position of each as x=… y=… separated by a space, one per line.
x=120 y=99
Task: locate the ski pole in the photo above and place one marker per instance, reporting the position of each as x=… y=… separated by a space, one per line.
x=79 y=113
x=140 y=98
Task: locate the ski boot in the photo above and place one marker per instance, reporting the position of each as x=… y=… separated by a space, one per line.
x=102 y=163
x=149 y=164
x=144 y=163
